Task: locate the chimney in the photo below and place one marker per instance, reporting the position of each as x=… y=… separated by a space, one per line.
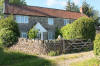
x=81 y=10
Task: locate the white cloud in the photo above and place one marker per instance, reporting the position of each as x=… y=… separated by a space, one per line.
x=77 y=2
x=55 y=2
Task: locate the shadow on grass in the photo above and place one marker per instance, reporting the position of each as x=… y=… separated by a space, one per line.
x=18 y=59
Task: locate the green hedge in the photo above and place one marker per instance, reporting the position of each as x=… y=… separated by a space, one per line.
x=97 y=45
x=7 y=37
x=10 y=24
x=32 y=33
x=82 y=28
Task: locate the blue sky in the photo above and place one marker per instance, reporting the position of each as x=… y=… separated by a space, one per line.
x=60 y=4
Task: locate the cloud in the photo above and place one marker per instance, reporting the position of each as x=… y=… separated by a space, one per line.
x=77 y=2
x=55 y=2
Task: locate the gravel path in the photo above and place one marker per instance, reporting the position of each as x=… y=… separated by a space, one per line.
x=69 y=58
x=87 y=55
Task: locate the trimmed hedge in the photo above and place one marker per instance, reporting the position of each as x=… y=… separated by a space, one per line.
x=82 y=28
x=97 y=45
x=32 y=33
x=7 y=37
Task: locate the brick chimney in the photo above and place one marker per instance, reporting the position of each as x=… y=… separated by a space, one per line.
x=81 y=10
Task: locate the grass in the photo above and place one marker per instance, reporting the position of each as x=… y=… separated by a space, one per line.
x=8 y=58
x=90 y=62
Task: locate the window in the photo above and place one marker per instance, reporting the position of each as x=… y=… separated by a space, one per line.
x=50 y=21
x=50 y=35
x=66 y=21
x=24 y=35
x=39 y=35
x=22 y=19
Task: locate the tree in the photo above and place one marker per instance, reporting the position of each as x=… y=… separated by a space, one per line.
x=10 y=24
x=83 y=28
x=72 y=7
x=68 y=7
x=32 y=33
x=89 y=11
x=17 y=2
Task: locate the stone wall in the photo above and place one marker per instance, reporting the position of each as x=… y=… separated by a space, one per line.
x=43 y=47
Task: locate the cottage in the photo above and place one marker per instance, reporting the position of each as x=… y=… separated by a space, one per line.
x=46 y=20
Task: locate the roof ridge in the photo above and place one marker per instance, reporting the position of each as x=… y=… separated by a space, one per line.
x=45 y=8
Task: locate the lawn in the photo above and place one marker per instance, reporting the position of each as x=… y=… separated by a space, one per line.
x=8 y=58
x=90 y=62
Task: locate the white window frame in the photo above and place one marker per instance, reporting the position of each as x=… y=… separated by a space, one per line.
x=50 y=35
x=22 y=19
x=50 y=21
x=23 y=34
x=66 y=21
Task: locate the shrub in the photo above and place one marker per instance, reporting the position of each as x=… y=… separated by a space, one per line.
x=53 y=53
x=57 y=33
x=7 y=37
x=10 y=24
x=97 y=45
x=83 y=28
x=32 y=33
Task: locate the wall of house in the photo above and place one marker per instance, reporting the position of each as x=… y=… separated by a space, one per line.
x=58 y=22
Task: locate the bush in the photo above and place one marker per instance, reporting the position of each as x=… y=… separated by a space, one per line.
x=7 y=37
x=53 y=53
x=97 y=45
x=57 y=33
x=10 y=24
x=83 y=28
x=32 y=33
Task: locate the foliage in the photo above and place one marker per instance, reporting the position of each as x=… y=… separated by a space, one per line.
x=10 y=24
x=97 y=45
x=90 y=62
x=7 y=37
x=53 y=53
x=57 y=33
x=83 y=28
x=89 y=11
x=32 y=33
x=17 y=2
x=72 y=7
x=1 y=7
x=13 y=58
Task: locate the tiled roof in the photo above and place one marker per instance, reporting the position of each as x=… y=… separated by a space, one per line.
x=40 y=11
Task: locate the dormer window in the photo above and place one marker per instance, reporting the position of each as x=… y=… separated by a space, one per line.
x=22 y=19
x=50 y=21
x=66 y=21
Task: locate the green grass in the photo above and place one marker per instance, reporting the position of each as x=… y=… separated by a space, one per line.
x=90 y=62
x=8 y=58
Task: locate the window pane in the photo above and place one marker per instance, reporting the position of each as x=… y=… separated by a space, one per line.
x=66 y=21
x=50 y=21
x=50 y=35
x=21 y=19
x=24 y=35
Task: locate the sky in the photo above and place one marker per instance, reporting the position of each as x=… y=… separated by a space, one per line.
x=60 y=4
